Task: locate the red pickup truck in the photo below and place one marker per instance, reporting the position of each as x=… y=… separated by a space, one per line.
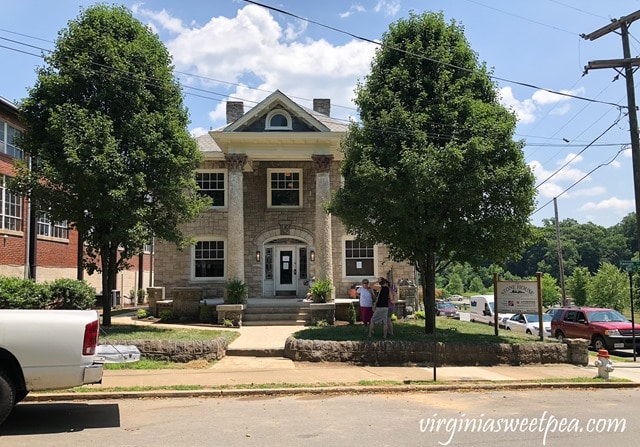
x=604 y=328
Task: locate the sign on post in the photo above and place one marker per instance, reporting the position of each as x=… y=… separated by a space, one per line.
x=517 y=297
x=630 y=266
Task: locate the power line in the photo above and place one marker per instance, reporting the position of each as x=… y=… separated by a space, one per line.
x=582 y=178
x=420 y=56
x=579 y=153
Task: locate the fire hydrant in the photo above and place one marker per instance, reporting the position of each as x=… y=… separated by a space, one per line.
x=604 y=364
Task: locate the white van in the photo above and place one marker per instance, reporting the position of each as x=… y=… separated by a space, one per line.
x=481 y=309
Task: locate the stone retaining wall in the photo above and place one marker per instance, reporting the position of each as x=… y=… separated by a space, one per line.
x=395 y=352
x=179 y=351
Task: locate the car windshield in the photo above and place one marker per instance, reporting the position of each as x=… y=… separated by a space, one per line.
x=533 y=318
x=605 y=316
x=446 y=306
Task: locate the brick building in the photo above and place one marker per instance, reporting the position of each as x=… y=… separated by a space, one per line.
x=31 y=246
x=270 y=172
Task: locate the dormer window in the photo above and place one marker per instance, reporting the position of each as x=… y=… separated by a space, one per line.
x=278 y=119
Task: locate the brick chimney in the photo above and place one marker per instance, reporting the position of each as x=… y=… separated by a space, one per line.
x=322 y=106
x=235 y=110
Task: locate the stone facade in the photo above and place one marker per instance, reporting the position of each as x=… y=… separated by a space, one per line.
x=393 y=352
x=179 y=351
x=265 y=244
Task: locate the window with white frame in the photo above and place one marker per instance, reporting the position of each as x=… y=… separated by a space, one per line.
x=10 y=207
x=8 y=137
x=212 y=184
x=284 y=188
x=209 y=258
x=278 y=119
x=45 y=227
x=359 y=258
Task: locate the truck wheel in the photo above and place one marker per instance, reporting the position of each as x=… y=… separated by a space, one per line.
x=560 y=336
x=7 y=396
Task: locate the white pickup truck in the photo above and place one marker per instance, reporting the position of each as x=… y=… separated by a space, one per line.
x=45 y=350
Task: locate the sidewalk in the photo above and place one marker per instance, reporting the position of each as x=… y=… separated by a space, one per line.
x=279 y=373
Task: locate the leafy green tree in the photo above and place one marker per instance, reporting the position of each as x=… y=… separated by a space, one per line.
x=551 y=292
x=629 y=230
x=609 y=287
x=455 y=286
x=435 y=152
x=577 y=285
x=476 y=285
x=107 y=130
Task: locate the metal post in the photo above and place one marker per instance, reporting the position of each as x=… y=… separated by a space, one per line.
x=633 y=318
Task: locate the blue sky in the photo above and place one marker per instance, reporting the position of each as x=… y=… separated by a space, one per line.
x=231 y=49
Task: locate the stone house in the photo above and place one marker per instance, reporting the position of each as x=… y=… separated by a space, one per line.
x=270 y=172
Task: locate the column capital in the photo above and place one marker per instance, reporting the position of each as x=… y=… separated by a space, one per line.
x=322 y=163
x=235 y=162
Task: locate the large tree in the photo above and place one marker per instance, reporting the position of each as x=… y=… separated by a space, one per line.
x=432 y=170
x=107 y=132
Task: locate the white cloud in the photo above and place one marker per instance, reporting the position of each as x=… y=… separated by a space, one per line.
x=198 y=131
x=526 y=109
x=252 y=49
x=355 y=8
x=163 y=19
x=611 y=204
x=389 y=7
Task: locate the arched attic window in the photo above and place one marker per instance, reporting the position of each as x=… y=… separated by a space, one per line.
x=278 y=119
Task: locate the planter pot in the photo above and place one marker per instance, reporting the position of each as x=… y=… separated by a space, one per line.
x=323 y=311
x=231 y=312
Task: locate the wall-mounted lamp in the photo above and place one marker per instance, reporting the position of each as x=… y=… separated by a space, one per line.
x=258 y=256
x=312 y=255
x=5 y=237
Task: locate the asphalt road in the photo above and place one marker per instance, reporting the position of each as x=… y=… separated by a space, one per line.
x=567 y=418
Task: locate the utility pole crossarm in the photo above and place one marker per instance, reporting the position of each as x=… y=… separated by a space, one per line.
x=614 y=25
x=612 y=63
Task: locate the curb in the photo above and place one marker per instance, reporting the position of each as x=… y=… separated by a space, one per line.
x=408 y=388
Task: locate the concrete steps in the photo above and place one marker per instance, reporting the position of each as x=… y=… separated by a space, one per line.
x=285 y=313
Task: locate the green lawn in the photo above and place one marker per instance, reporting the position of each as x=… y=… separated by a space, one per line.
x=124 y=332
x=447 y=330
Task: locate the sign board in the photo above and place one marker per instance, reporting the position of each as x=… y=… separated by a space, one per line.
x=517 y=296
x=630 y=266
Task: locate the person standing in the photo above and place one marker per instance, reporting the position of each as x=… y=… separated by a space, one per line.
x=365 y=294
x=380 y=313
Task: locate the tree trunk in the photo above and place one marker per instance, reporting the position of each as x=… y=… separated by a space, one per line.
x=108 y=256
x=428 y=273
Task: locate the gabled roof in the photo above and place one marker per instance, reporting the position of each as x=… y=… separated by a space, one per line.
x=321 y=123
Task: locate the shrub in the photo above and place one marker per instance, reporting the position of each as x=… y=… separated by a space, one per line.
x=167 y=315
x=19 y=293
x=419 y=314
x=228 y=323
x=321 y=290
x=141 y=294
x=351 y=316
x=142 y=314
x=71 y=294
x=206 y=314
x=236 y=292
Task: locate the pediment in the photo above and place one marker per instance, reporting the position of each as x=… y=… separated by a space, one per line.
x=259 y=118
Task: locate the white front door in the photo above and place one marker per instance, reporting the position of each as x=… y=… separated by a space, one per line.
x=286 y=269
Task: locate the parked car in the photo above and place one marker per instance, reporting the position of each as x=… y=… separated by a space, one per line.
x=447 y=309
x=604 y=328
x=529 y=324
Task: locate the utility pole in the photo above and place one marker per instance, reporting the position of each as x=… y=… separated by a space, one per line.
x=627 y=63
x=560 y=260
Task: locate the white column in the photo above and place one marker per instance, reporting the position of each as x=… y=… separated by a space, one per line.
x=324 y=246
x=235 y=231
